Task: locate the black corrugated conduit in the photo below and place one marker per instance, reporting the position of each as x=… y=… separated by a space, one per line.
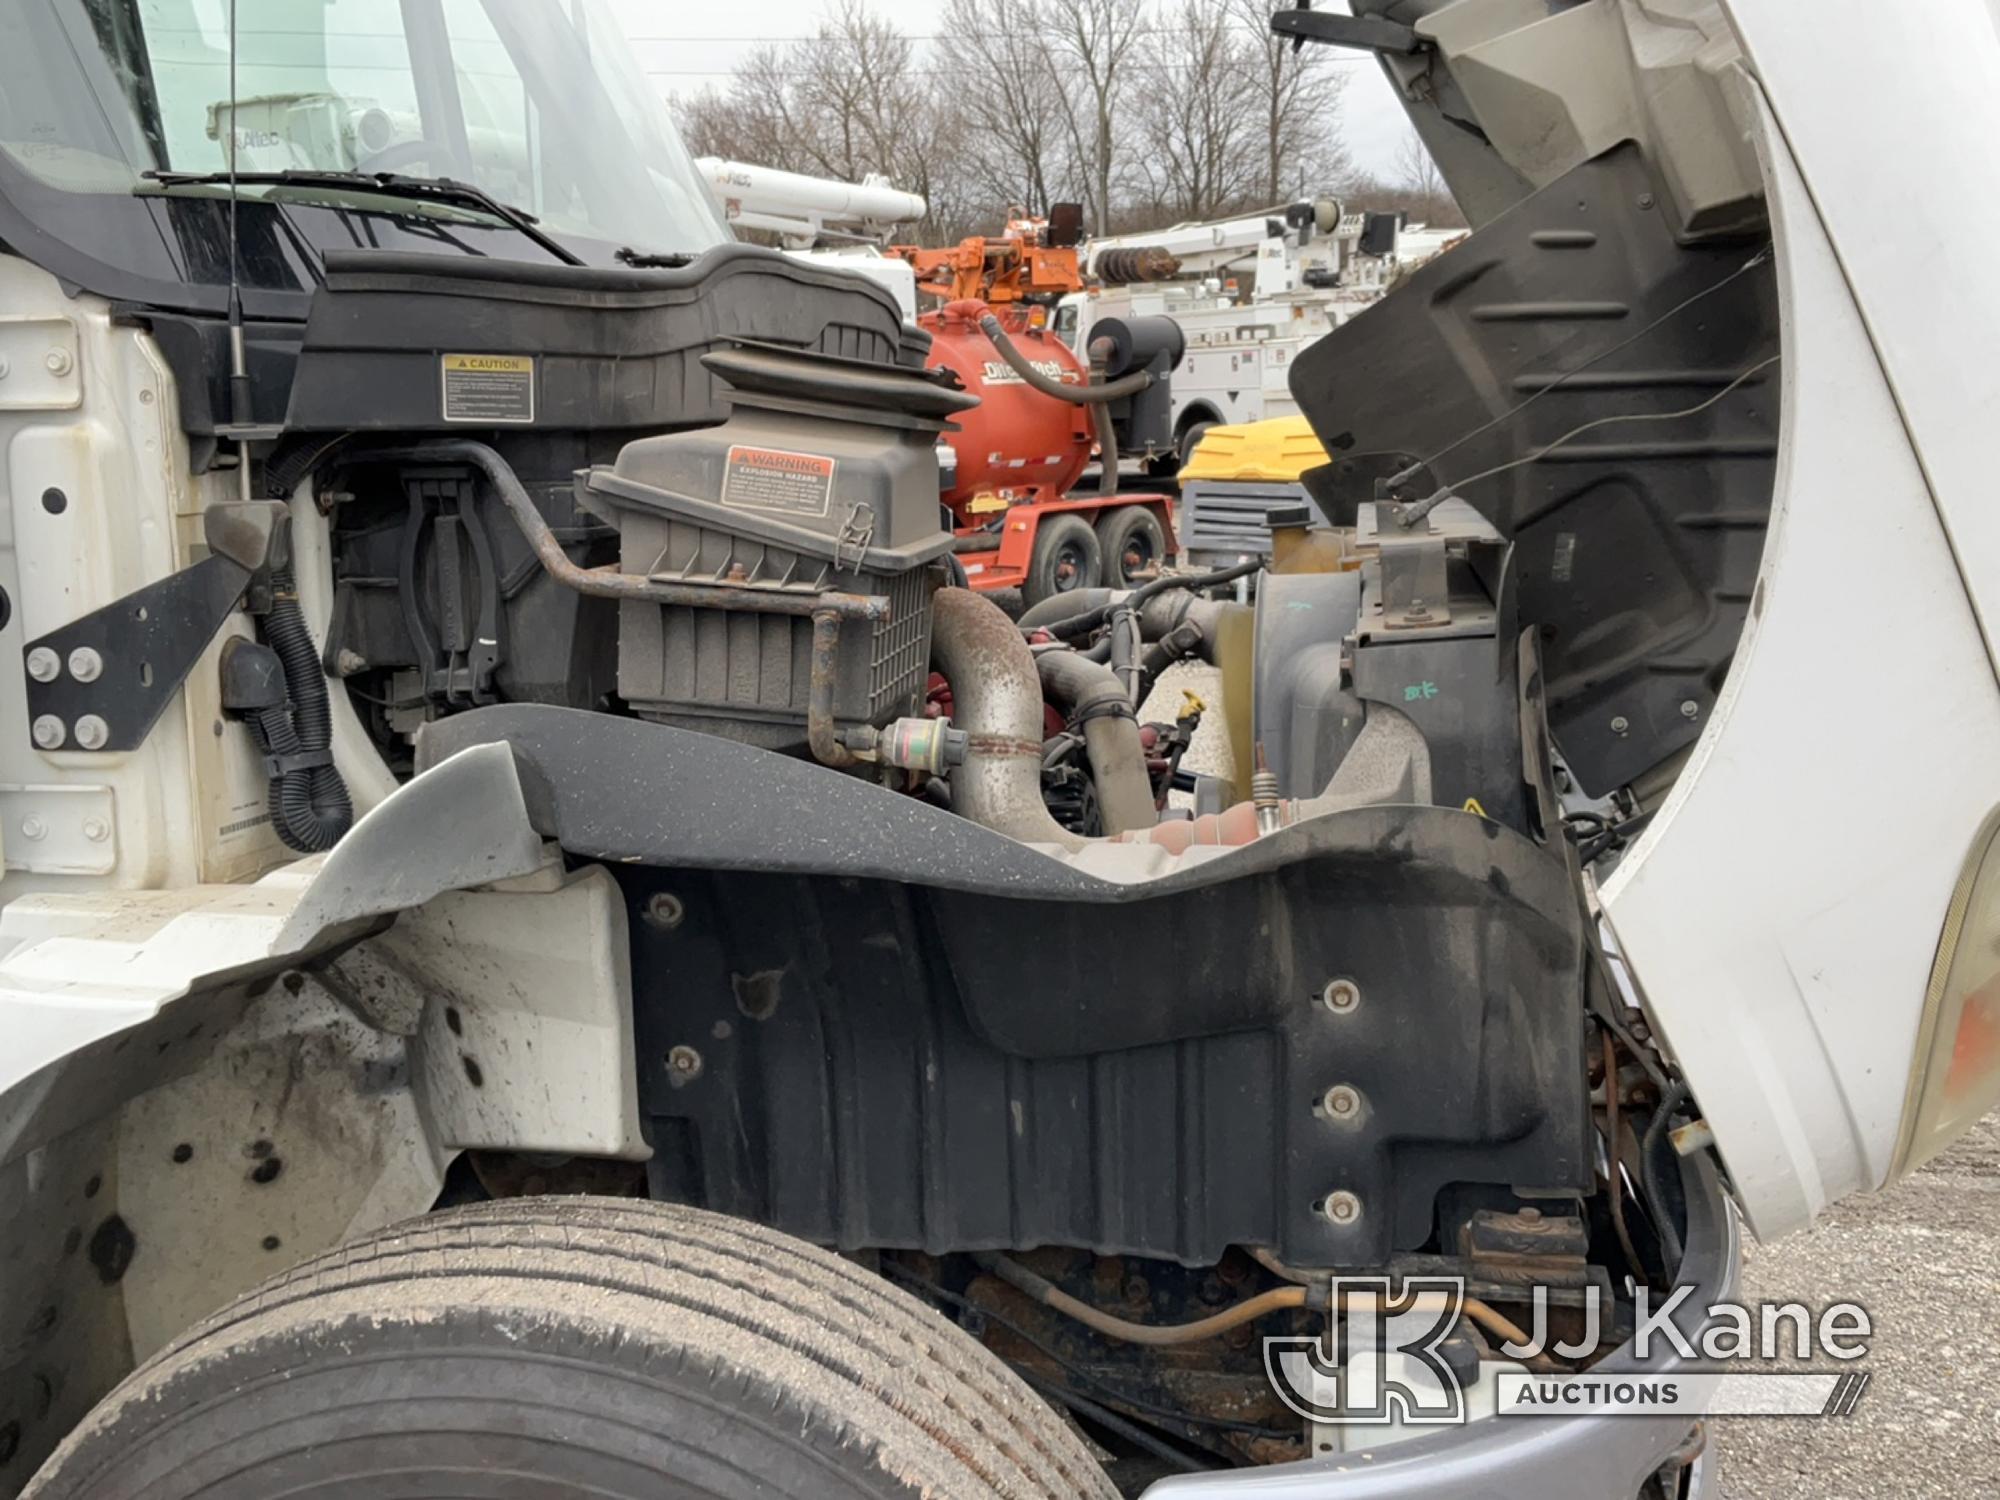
x=310 y=807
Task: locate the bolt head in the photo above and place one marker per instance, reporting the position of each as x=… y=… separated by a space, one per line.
x=4 y=367
x=1620 y=724
x=683 y=1065
x=96 y=830
x=44 y=665
x=49 y=732
x=92 y=732
x=664 y=910
x=1690 y=709
x=1340 y=996
x=1341 y=1208
x=33 y=827
x=1341 y=1102
x=85 y=665
x=58 y=362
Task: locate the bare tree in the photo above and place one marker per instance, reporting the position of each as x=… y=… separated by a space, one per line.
x=1418 y=175
x=1297 y=94
x=847 y=101
x=1093 y=46
x=996 y=78
x=1195 y=116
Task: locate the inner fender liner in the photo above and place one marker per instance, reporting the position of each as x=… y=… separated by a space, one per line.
x=876 y=1024
x=1636 y=545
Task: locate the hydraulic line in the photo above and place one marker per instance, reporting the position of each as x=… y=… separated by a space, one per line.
x=1278 y=1299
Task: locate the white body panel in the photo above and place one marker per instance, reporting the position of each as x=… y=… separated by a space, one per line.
x=1783 y=910
x=97 y=499
x=898 y=276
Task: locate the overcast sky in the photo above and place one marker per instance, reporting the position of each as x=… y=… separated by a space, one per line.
x=687 y=45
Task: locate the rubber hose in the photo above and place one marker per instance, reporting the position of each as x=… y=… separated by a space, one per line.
x=1649 y=1172
x=1107 y=430
x=1062 y=606
x=1278 y=1299
x=1067 y=627
x=1091 y=694
x=1184 y=640
x=1075 y=395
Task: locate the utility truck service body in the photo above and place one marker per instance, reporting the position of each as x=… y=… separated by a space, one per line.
x=1250 y=294
x=547 y=949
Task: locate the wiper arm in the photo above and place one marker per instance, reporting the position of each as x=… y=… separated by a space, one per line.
x=392 y=184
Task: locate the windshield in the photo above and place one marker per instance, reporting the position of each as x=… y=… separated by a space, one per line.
x=538 y=102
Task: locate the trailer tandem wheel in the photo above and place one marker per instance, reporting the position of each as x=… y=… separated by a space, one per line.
x=1067 y=557
x=1134 y=544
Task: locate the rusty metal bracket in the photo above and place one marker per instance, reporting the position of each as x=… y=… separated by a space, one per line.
x=1415 y=587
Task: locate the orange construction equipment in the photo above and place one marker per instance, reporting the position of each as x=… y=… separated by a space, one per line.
x=1041 y=415
x=1033 y=261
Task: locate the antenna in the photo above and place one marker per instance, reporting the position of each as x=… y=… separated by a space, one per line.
x=239 y=361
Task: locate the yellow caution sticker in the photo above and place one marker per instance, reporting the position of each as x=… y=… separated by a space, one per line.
x=1472 y=806
x=487 y=388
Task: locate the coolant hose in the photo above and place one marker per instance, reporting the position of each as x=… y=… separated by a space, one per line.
x=997 y=700
x=1062 y=606
x=1161 y=616
x=1093 y=698
x=1081 y=621
x=1075 y=395
x=310 y=808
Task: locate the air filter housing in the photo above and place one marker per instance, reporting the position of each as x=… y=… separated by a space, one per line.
x=823 y=479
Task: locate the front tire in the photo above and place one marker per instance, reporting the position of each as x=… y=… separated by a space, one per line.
x=571 y=1348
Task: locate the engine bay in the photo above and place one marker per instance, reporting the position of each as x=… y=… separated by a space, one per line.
x=942 y=952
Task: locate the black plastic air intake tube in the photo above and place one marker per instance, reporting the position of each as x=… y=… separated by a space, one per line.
x=310 y=807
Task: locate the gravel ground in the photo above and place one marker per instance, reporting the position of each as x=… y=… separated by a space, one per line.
x=1923 y=1258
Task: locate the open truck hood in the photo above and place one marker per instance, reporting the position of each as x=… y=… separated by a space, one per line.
x=1681 y=217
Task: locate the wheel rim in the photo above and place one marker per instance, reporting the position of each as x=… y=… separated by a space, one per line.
x=1068 y=566
x=1136 y=556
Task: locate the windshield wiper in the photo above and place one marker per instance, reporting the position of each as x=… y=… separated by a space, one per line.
x=391 y=184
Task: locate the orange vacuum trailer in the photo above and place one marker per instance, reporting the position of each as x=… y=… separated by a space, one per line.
x=1043 y=412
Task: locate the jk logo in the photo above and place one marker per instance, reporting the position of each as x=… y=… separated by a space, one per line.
x=1385 y=1365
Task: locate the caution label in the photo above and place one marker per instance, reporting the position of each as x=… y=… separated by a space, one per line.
x=799 y=484
x=488 y=388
